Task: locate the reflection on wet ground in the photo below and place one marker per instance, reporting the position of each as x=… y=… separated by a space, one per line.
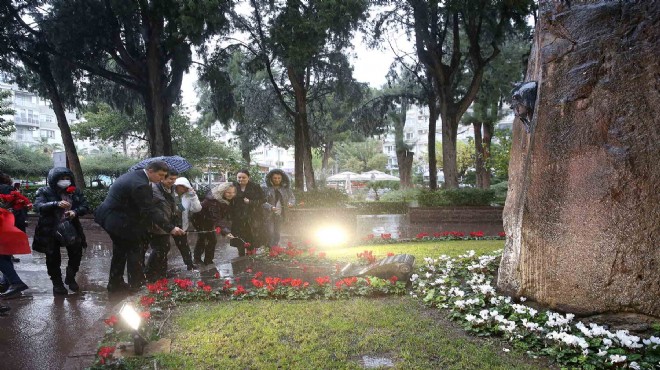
x=41 y=330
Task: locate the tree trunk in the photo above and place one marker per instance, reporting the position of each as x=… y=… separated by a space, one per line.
x=327 y=152
x=58 y=107
x=307 y=151
x=486 y=140
x=479 y=154
x=405 y=160
x=433 y=163
x=299 y=175
x=303 y=151
x=449 y=133
x=245 y=150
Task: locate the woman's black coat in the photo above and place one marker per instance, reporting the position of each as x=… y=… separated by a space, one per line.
x=247 y=219
x=50 y=214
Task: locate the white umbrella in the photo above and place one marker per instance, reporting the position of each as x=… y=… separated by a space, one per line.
x=342 y=176
x=375 y=175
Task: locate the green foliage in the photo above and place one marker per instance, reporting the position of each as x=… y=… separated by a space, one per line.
x=106 y=163
x=95 y=197
x=501 y=153
x=105 y=124
x=456 y=197
x=6 y=127
x=500 y=190
x=321 y=197
x=403 y=195
x=20 y=161
x=361 y=156
x=379 y=208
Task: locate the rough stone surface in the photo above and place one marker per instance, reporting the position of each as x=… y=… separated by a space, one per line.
x=399 y=265
x=583 y=208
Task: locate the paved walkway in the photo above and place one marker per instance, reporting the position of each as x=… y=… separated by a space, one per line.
x=44 y=332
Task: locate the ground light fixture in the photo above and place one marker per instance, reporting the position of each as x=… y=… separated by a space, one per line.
x=132 y=318
x=330 y=235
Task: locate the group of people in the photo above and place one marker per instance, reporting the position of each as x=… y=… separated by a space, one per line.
x=144 y=210
x=147 y=208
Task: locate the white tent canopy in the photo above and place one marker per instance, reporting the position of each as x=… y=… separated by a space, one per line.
x=345 y=176
x=375 y=175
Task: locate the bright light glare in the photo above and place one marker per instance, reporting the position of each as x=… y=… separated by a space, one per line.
x=131 y=316
x=330 y=235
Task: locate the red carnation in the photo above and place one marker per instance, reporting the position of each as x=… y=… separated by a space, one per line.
x=247 y=245
x=217 y=230
x=70 y=189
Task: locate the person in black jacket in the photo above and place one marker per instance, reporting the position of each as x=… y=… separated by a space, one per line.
x=246 y=214
x=60 y=204
x=214 y=214
x=127 y=214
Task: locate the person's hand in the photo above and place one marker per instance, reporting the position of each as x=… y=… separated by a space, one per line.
x=246 y=200
x=177 y=231
x=70 y=214
x=64 y=204
x=230 y=236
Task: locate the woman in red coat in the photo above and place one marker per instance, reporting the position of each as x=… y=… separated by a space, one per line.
x=12 y=240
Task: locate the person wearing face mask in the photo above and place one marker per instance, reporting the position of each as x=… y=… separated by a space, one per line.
x=246 y=214
x=60 y=206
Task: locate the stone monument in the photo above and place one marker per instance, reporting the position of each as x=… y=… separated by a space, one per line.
x=582 y=214
x=399 y=265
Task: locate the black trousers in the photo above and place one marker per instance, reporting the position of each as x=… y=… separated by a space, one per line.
x=206 y=245
x=156 y=266
x=181 y=242
x=127 y=254
x=54 y=260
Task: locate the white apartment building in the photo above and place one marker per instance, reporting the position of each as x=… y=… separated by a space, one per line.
x=415 y=134
x=34 y=119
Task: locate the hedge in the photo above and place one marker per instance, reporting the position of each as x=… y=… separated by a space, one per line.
x=456 y=197
x=380 y=208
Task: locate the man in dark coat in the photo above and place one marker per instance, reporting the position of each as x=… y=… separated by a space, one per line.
x=127 y=214
x=279 y=197
x=246 y=214
x=59 y=204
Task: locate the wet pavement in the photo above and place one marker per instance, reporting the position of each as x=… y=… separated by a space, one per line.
x=45 y=332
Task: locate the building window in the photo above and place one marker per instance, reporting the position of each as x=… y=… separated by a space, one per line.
x=49 y=134
x=421 y=132
x=409 y=135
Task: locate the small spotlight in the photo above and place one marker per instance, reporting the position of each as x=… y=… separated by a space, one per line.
x=133 y=320
x=130 y=316
x=330 y=235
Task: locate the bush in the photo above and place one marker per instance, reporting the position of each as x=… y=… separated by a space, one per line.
x=380 y=208
x=404 y=195
x=456 y=197
x=500 y=190
x=322 y=197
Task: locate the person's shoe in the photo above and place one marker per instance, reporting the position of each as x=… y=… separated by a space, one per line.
x=118 y=287
x=15 y=260
x=4 y=309
x=3 y=287
x=70 y=280
x=191 y=267
x=59 y=289
x=14 y=290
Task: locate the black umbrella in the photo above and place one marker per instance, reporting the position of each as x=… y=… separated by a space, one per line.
x=174 y=162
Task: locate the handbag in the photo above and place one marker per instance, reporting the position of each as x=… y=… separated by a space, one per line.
x=66 y=233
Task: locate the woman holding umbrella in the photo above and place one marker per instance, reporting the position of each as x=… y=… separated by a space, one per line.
x=246 y=214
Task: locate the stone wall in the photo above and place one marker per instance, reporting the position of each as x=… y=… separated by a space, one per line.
x=583 y=207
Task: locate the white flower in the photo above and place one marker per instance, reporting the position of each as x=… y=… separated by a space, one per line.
x=616 y=358
x=601 y=353
x=634 y=365
x=506 y=350
x=414 y=277
x=607 y=342
x=484 y=314
x=523 y=299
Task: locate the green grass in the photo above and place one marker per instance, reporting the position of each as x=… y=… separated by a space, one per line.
x=324 y=335
x=418 y=249
x=266 y=334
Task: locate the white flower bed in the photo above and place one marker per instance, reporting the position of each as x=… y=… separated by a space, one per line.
x=464 y=286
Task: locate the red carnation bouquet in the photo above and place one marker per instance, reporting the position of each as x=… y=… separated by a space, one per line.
x=14 y=200
x=70 y=189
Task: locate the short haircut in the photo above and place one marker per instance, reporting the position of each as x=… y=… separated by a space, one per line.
x=157 y=166
x=245 y=171
x=172 y=172
x=5 y=179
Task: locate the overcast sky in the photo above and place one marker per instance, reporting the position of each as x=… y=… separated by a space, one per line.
x=369 y=66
